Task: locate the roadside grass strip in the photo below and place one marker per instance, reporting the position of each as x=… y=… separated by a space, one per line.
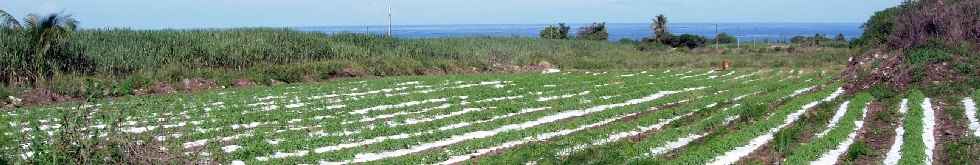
x=919 y=142
x=609 y=134
x=828 y=149
x=895 y=151
x=971 y=115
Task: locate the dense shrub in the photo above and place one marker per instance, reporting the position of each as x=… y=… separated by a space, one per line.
x=840 y=38
x=595 y=32
x=555 y=32
x=688 y=40
x=928 y=44
x=725 y=38
x=878 y=27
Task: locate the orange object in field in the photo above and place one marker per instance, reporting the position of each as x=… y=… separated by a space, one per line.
x=725 y=65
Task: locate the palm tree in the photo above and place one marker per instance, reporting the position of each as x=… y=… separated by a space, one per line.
x=8 y=21
x=660 y=29
x=48 y=32
x=45 y=33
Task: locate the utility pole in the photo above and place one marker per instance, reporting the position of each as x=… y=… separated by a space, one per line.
x=717 y=41
x=388 y=32
x=738 y=35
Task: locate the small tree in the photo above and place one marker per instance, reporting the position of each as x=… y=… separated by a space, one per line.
x=660 y=31
x=555 y=32
x=49 y=48
x=595 y=32
x=840 y=38
x=724 y=38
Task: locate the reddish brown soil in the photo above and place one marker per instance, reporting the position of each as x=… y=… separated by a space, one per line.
x=949 y=130
x=348 y=72
x=765 y=155
x=197 y=84
x=243 y=83
x=161 y=88
x=41 y=97
x=878 y=133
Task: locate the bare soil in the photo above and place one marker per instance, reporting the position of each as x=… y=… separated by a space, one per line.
x=878 y=133
x=949 y=130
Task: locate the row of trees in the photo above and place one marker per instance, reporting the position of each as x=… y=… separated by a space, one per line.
x=596 y=32
x=599 y=32
x=663 y=36
x=818 y=39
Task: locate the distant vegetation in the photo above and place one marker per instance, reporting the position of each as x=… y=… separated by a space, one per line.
x=119 y=62
x=595 y=32
x=819 y=40
x=559 y=32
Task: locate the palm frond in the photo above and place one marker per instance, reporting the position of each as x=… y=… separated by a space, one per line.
x=32 y=20
x=8 y=21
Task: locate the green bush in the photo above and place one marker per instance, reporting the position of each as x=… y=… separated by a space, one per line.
x=555 y=32
x=878 y=27
x=927 y=55
x=688 y=40
x=594 y=32
x=725 y=38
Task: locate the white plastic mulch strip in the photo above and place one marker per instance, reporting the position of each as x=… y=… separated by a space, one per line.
x=833 y=121
x=563 y=96
x=385 y=116
x=621 y=135
x=640 y=130
x=800 y=92
x=894 y=153
x=670 y=146
x=971 y=115
x=400 y=105
x=438 y=117
x=464 y=124
x=831 y=156
x=733 y=156
x=367 y=157
x=928 y=129
x=385 y=138
x=539 y=137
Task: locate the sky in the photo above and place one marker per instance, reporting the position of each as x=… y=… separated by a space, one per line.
x=156 y=14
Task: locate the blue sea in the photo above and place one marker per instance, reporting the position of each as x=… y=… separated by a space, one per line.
x=617 y=31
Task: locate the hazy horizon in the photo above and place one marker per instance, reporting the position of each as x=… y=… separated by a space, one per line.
x=190 y=14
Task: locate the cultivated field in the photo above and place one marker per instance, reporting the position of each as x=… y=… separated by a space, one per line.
x=634 y=117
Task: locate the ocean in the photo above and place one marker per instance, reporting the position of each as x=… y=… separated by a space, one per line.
x=744 y=31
